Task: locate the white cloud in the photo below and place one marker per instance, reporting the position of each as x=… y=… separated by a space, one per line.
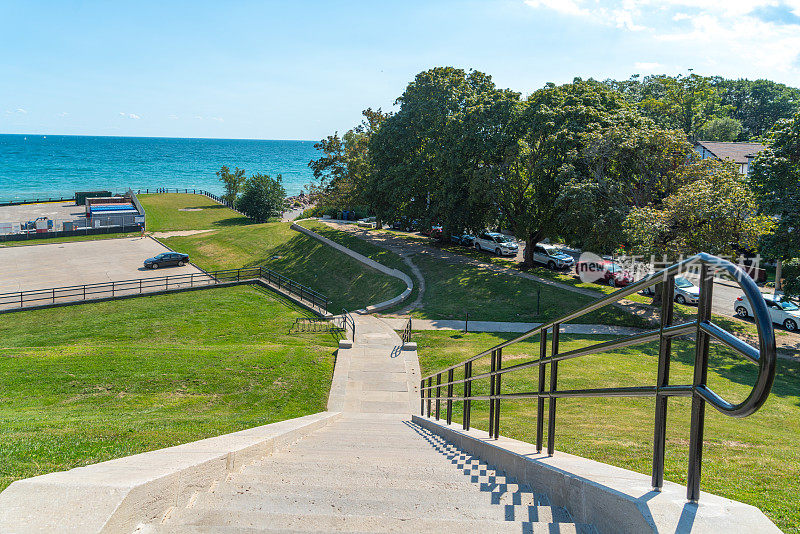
x=133 y=116
x=218 y=119
x=21 y=111
x=63 y=114
x=172 y=117
x=567 y=7
x=760 y=33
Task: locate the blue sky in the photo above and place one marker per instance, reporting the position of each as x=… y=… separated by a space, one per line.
x=302 y=69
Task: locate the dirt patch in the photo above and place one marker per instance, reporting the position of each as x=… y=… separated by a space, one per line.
x=190 y=209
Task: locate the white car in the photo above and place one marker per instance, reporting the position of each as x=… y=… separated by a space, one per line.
x=782 y=311
x=552 y=256
x=500 y=244
x=685 y=291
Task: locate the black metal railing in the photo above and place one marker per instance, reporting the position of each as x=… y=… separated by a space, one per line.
x=36 y=200
x=315 y=299
x=138 y=286
x=406 y=334
x=348 y=324
x=315 y=325
x=703 y=329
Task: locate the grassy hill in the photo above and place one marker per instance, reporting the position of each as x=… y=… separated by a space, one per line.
x=345 y=281
x=92 y=382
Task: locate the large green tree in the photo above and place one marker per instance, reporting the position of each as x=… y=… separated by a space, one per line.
x=775 y=177
x=685 y=102
x=629 y=163
x=758 y=104
x=552 y=127
x=343 y=168
x=430 y=160
x=232 y=182
x=715 y=212
x=262 y=198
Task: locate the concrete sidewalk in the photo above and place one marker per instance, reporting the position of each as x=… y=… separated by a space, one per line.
x=502 y=326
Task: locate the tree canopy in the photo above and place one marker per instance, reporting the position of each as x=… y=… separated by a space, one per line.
x=262 y=197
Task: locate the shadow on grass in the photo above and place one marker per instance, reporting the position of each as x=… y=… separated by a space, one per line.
x=234 y=221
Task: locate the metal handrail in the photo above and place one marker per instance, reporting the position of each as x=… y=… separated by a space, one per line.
x=119 y=288
x=406 y=335
x=702 y=328
x=347 y=320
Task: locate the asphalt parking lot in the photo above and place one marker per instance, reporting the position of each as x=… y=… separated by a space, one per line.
x=24 y=268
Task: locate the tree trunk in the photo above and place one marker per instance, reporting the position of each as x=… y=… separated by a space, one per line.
x=659 y=289
x=530 y=242
x=778 y=274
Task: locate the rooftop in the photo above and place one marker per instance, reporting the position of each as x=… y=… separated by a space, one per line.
x=736 y=152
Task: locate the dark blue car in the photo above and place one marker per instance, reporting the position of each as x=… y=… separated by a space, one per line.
x=166 y=259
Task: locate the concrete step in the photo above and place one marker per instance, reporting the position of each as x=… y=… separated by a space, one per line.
x=269 y=469
x=223 y=522
x=395 y=482
x=452 y=505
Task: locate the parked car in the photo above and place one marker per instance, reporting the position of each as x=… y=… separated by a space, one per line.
x=165 y=259
x=552 y=256
x=405 y=224
x=685 y=291
x=603 y=272
x=467 y=240
x=781 y=310
x=500 y=244
x=435 y=232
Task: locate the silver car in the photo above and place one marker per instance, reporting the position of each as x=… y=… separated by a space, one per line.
x=500 y=244
x=552 y=256
x=685 y=291
x=781 y=311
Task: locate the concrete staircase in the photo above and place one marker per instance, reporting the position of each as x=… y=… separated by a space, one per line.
x=370 y=471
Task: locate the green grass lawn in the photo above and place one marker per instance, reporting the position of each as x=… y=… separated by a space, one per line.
x=345 y=281
x=453 y=289
x=92 y=382
x=164 y=212
x=755 y=459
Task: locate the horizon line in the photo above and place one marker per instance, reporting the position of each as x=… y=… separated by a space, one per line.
x=162 y=137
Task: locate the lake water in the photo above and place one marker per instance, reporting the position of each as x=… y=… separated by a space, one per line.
x=36 y=166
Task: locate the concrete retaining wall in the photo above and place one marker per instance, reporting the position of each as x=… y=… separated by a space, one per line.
x=612 y=499
x=369 y=263
x=118 y=495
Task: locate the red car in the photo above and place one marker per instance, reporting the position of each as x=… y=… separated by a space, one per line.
x=603 y=272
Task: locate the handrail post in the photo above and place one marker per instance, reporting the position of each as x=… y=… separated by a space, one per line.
x=140 y=288
x=700 y=377
x=422 y=397
x=540 y=399
x=430 y=383
x=497 y=380
x=491 y=395
x=54 y=295
x=551 y=416
x=438 y=394
x=664 y=353
x=450 y=396
x=467 y=394
x=112 y=289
